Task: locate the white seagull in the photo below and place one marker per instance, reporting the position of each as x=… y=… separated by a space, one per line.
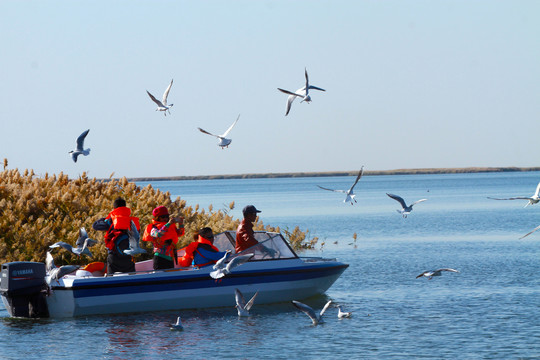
x=315 y=318
x=302 y=93
x=431 y=273
x=134 y=238
x=241 y=305
x=80 y=150
x=162 y=105
x=235 y=261
x=342 y=314
x=223 y=141
x=405 y=210
x=534 y=199
x=83 y=243
x=178 y=325
x=350 y=194
x=220 y=264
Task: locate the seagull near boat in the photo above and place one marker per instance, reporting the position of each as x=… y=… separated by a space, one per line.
x=301 y=93
x=342 y=314
x=80 y=150
x=431 y=273
x=235 y=261
x=241 y=305
x=162 y=105
x=534 y=199
x=405 y=209
x=223 y=141
x=350 y=196
x=178 y=325
x=308 y=310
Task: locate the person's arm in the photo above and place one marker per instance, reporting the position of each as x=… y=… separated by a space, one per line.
x=102 y=224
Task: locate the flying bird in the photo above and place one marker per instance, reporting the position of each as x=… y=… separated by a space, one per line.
x=56 y=273
x=80 y=150
x=223 y=141
x=220 y=264
x=530 y=232
x=535 y=198
x=431 y=273
x=302 y=93
x=134 y=238
x=405 y=209
x=162 y=105
x=350 y=194
x=235 y=261
x=342 y=314
x=83 y=243
x=315 y=318
x=178 y=325
x=241 y=305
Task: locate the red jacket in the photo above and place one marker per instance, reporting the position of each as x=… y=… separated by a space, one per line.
x=190 y=250
x=170 y=232
x=245 y=236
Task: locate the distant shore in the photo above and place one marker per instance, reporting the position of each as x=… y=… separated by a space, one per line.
x=342 y=173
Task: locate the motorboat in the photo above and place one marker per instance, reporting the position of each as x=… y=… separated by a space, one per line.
x=274 y=270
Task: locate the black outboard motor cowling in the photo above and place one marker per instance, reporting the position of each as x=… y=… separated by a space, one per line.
x=23 y=289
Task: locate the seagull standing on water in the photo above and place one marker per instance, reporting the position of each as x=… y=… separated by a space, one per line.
x=241 y=305
x=308 y=310
x=342 y=314
x=223 y=141
x=80 y=150
x=302 y=93
x=178 y=325
x=162 y=105
x=535 y=198
x=406 y=210
x=350 y=194
x=431 y=273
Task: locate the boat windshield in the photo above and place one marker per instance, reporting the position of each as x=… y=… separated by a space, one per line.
x=271 y=245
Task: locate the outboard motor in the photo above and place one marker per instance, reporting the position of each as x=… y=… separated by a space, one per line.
x=23 y=289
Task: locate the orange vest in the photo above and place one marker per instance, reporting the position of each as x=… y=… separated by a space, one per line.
x=187 y=259
x=159 y=243
x=121 y=218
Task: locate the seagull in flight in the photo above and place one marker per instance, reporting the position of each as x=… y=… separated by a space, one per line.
x=80 y=150
x=315 y=318
x=301 y=93
x=162 y=105
x=83 y=243
x=431 y=273
x=350 y=194
x=342 y=314
x=134 y=238
x=241 y=305
x=235 y=261
x=534 y=199
x=223 y=141
x=405 y=209
x=530 y=232
x=56 y=273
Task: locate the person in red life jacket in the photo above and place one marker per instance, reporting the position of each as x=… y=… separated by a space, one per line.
x=163 y=233
x=117 y=226
x=245 y=236
x=202 y=252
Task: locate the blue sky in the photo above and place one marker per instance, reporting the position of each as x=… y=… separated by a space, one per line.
x=409 y=84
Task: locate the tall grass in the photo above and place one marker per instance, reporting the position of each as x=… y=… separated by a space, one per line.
x=36 y=212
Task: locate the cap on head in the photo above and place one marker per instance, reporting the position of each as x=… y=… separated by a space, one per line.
x=160 y=211
x=250 y=209
x=119 y=202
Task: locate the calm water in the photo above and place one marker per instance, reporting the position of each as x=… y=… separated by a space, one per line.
x=491 y=310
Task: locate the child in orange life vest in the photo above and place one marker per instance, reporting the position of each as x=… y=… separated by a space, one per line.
x=202 y=252
x=164 y=234
x=116 y=225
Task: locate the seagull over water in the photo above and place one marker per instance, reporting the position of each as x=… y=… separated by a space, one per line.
x=162 y=105
x=350 y=196
x=530 y=232
x=223 y=141
x=80 y=150
x=301 y=93
x=241 y=305
x=431 y=273
x=534 y=199
x=405 y=209
x=235 y=261
x=308 y=310
x=342 y=314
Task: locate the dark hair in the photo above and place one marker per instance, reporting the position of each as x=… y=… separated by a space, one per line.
x=204 y=231
x=119 y=202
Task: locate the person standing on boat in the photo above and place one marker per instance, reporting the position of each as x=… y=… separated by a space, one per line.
x=202 y=252
x=116 y=226
x=163 y=233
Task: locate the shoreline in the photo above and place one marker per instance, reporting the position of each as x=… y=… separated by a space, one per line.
x=420 y=171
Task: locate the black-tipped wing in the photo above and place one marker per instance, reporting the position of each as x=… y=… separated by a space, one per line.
x=154 y=99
